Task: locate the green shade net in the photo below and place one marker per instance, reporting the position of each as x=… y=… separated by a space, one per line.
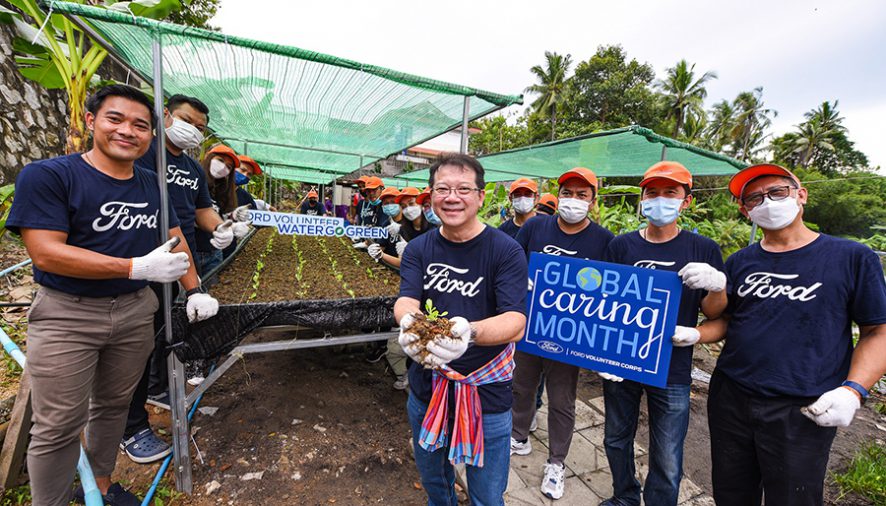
x=285 y=105
x=614 y=153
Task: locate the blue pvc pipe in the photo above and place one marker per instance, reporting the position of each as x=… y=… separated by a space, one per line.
x=87 y=479
x=14 y=267
x=163 y=467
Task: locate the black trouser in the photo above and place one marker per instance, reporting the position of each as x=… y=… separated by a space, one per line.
x=764 y=446
x=155 y=378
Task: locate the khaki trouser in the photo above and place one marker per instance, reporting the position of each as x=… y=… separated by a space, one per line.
x=396 y=356
x=85 y=357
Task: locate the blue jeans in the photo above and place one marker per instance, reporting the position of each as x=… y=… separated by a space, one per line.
x=487 y=484
x=207 y=260
x=668 y=423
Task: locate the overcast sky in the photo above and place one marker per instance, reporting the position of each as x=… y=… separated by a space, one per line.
x=801 y=52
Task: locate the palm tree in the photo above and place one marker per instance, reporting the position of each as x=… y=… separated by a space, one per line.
x=721 y=124
x=817 y=133
x=683 y=92
x=551 y=86
x=751 y=121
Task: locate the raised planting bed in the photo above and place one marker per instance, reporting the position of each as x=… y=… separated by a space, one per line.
x=317 y=282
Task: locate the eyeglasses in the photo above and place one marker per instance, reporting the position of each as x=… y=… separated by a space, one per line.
x=445 y=191
x=777 y=193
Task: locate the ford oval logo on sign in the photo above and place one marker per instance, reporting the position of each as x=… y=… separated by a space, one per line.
x=550 y=347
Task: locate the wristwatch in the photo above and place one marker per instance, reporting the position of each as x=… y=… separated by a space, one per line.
x=192 y=291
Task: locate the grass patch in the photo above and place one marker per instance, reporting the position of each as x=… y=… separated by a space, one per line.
x=866 y=475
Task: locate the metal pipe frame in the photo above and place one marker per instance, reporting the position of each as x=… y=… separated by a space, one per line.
x=465 y=117
x=294 y=146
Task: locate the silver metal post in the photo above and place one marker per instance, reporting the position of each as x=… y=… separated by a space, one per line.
x=753 y=238
x=180 y=429
x=466 y=114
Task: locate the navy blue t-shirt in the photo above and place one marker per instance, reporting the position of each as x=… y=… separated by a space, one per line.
x=243 y=198
x=542 y=234
x=631 y=249
x=371 y=215
x=187 y=187
x=118 y=218
x=313 y=210
x=510 y=228
x=477 y=279
x=789 y=331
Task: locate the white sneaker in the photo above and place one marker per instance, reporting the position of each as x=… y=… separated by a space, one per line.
x=195 y=381
x=402 y=383
x=518 y=448
x=534 y=425
x=552 y=484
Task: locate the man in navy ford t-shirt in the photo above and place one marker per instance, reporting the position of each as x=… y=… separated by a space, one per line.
x=572 y=234
x=91 y=224
x=523 y=195
x=788 y=374
x=478 y=275
x=666 y=188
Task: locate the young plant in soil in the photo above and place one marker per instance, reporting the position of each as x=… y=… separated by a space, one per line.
x=259 y=266
x=430 y=326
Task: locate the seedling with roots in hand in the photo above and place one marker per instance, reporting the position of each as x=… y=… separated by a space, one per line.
x=432 y=313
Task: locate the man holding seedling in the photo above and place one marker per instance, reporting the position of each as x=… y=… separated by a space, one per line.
x=666 y=191
x=477 y=275
x=573 y=234
x=788 y=375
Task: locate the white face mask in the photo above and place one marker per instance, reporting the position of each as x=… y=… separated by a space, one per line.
x=573 y=210
x=411 y=212
x=775 y=215
x=523 y=205
x=218 y=169
x=183 y=134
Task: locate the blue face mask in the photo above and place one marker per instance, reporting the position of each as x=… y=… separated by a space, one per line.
x=391 y=209
x=240 y=179
x=432 y=217
x=375 y=202
x=661 y=211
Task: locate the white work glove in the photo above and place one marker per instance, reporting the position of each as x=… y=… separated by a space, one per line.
x=531 y=284
x=223 y=235
x=685 y=336
x=240 y=228
x=701 y=276
x=393 y=231
x=834 y=408
x=401 y=247
x=611 y=377
x=160 y=265
x=360 y=245
x=409 y=341
x=241 y=213
x=375 y=251
x=448 y=348
x=201 y=306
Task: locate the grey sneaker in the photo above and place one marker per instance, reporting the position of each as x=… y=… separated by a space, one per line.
x=520 y=448
x=402 y=383
x=552 y=484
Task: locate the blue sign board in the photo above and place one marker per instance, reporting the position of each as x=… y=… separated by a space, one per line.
x=320 y=226
x=601 y=316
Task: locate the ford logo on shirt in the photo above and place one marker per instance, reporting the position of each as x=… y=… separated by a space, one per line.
x=550 y=347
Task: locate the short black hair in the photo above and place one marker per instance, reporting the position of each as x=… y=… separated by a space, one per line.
x=177 y=101
x=459 y=160
x=94 y=103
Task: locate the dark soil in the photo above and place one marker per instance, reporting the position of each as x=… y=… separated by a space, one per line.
x=428 y=331
x=301 y=267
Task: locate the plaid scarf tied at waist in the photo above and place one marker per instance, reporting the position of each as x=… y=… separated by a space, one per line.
x=467 y=431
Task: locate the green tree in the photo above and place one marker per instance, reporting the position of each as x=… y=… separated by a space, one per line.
x=497 y=135
x=196 y=13
x=610 y=91
x=683 y=93
x=752 y=119
x=550 y=86
x=720 y=126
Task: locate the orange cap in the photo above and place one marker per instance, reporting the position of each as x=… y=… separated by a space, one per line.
x=361 y=179
x=523 y=182
x=672 y=171
x=586 y=175
x=389 y=192
x=312 y=193
x=548 y=200
x=373 y=182
x=222 y=150
x=252 y=163
x=423 y=196
x=744 y=176
x=405 y=193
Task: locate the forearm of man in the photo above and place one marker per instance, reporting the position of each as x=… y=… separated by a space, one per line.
x=869 y=357
x=713 y=304
x=712 y=331
x=190 y=279
x=404 y=306
x=207 y=219
x=504 y=328
x=50 y=253
x=390 y=260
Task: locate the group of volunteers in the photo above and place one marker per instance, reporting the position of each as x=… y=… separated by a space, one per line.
x=787 y=377
x=91 y=223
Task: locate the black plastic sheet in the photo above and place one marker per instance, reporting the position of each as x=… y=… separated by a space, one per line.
x=223 y=332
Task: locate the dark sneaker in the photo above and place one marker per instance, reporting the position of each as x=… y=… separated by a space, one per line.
x=116 y=496
x=159 y=400
x=145 y=447
x=376 y=353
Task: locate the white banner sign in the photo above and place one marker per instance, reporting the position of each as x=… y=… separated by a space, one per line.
x=324 y=226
